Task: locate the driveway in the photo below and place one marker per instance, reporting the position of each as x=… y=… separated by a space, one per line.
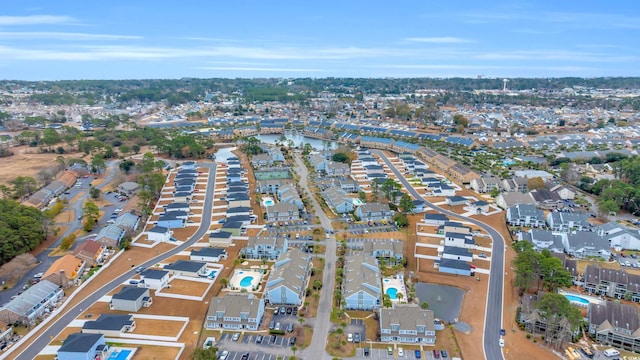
x=495 y=295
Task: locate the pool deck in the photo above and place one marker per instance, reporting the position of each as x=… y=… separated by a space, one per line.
x=239 y=274
x=589 y=298
x=396 y=282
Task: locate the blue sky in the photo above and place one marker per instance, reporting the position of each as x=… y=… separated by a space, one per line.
x=52 y=40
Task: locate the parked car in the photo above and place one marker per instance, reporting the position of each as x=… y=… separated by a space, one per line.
x=350 y=337
x=275 y=312
x=501 y=342
x=223 y=355
x=292 y=341
x=289 y=310
x=389 y=350
x=400 y=352
x=283 y=310
x=272 y=324
x=277 y=326
x=436 y=354
x=444 y=354
x=417 y=354
x=290 y=327
x=273 y=339
x=259 y=339
x=235 y=337
x=356 y=338
x=245 y=356
x=366 y=351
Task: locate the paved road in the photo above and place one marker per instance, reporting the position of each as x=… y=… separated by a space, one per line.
x=322 y=323
x=44 y=259
x=57 y=326
x=493 y=314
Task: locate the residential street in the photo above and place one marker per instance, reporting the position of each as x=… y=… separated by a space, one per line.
x=322 y=323
x=495 y=295
x=74 y=224
x=69 y=314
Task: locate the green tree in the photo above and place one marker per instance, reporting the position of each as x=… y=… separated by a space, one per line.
x=340 y=157
x=424 y=305
x=494 y=192
x=23 y=186
x=307 y=149
x=95 y=193
x=126 y=165
x=401 y=220
x=91 y=213
x=67 y=242
x=98 y=164
x=22 y=228
x=561 y=316
x=205 y=354
x=406 y=203
x=135 y=148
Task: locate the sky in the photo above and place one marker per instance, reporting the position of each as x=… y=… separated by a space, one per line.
x=58 y=40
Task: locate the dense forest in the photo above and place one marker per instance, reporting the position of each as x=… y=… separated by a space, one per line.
x=22 y=229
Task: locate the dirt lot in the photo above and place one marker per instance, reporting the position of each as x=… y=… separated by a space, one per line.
x=27 y=162
x=185 y=287
x=157 y=327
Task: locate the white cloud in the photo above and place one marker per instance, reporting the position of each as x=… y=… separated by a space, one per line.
x=438 y=40
x=36 y=20
x=34 y=35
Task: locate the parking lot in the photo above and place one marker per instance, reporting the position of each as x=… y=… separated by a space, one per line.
x=384 y=354
x=375 y=228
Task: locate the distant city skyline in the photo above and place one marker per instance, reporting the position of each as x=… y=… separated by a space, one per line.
x=42 y=40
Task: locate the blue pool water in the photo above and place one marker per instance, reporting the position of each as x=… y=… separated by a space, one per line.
x=120 y=355
x=357 y=202
x=392 y=292
x=387 y=280
x=577 y=299
x=268 y=202
x=246 y=281
x=212 y=274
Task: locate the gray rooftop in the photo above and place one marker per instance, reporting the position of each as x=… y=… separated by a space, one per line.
x=131 y=293
x=109 y=322
x=185 y=265
x=79 y=343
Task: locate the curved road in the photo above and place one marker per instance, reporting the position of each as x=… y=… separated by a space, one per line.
x=57 y=326
x=323 y=322
x=44 y=260
x=495 y=295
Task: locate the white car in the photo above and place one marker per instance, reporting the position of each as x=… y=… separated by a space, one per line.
x=400 y=352
x=501 y=342
x=223 y=355
x=350 y=337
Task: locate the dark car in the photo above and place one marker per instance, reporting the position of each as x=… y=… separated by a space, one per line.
x=245 y=356
x=272 y=324
x=295 y=310
x=289 y=310
x=418 y=355
x=502 y=332
x=259 y=339
x=356 y=338
x=292 y=341
x=436 y=354
x=273 y=339
x=366 y=351
x=444 y=354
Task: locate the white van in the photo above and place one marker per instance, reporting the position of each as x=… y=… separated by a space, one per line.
x=611 y=352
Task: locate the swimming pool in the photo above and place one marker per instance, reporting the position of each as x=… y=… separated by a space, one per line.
x=577 y=299
x=120 y=355
x=357 y=202
x=213 y=273
x=387 y=280
x=268 y=201
x=246 y=281
x=393 y=293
